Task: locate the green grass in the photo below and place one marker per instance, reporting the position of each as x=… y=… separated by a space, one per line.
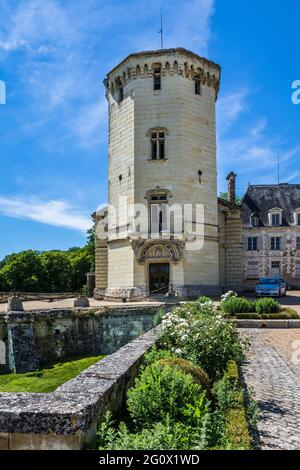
x=46 y=380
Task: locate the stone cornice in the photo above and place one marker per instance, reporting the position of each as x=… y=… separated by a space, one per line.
x=177 y=61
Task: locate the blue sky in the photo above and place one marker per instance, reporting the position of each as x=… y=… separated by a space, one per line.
x=54 y=55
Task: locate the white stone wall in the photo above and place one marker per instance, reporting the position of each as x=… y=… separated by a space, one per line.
x=190 y=147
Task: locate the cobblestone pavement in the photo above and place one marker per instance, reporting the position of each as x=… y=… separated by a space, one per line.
x=272 y=371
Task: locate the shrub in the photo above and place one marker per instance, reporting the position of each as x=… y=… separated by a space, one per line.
x=230 y=400
x=267 y=306
x=203 y=300
x=163 y=391
x=238 y=305
x=158 y=317
x=154 y=355
x=207 y=340
x=164 y=435
x=228 y=295
x=199 y=376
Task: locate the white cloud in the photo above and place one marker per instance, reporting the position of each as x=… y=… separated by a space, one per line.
x=66 y=54
x=253 y=154
x=57 y=213
x=230 y=107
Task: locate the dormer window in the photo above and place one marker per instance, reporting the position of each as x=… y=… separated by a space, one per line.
x=254 y=220
x=275 y=220
x=157 y=77
x=275 y=217
x=297 y=217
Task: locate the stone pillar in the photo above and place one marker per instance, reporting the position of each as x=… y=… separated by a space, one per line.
x=101 y=255
x=231 y=187
x=21 y=356
x=234 y=251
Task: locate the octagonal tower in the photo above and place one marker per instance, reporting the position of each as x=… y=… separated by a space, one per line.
x=162 y=151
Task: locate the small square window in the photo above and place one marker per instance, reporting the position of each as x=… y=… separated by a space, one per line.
x=297 y=268
x=298 y=243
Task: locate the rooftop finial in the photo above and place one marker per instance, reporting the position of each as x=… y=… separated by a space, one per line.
x=161 y=30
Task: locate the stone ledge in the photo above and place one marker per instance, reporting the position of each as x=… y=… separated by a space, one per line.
x=267 y=323
x=76 y=407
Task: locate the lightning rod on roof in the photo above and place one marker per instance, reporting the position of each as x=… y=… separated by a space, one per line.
x=161 y=30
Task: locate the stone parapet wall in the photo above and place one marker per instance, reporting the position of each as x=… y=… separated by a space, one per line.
x=37 y=338
x=67 y=418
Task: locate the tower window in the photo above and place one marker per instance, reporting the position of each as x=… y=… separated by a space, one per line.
x=197 y=86
x=121 y=94
x=157 y=145
x=157 y=77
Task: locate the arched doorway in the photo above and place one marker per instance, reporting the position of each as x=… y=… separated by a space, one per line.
x=159 y=277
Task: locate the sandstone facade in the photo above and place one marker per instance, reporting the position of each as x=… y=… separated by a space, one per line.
x=170 y=94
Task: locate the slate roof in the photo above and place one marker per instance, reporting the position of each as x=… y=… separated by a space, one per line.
x=261 y=199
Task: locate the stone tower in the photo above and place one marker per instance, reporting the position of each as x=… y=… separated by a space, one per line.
x=162 y=152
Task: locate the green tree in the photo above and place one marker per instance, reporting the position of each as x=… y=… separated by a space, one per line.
x=224 y=195
x=23 y=272
x=57 y=271
x=82 y=262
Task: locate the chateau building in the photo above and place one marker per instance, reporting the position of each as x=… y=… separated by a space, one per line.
x=271 y=233
x=162 y=158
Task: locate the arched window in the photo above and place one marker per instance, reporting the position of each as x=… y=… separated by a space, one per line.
x=157 y=143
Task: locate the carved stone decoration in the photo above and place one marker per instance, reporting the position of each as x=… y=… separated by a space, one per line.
x=157 y=249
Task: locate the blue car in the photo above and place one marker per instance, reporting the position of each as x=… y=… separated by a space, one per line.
x=271 y=287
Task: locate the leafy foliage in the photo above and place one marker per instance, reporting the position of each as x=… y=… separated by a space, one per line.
x=49 y=271
x=235 y=305
x=163 y=391
x=230 y=400
x=165 y=435
x=199 y=376
x=267 y=306
x=202 y=337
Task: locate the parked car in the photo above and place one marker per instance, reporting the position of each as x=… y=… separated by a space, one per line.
x=271 y=287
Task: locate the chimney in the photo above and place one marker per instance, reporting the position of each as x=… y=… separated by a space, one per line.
x=231 y=187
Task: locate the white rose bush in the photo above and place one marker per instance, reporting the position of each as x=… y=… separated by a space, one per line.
x=199 y=333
